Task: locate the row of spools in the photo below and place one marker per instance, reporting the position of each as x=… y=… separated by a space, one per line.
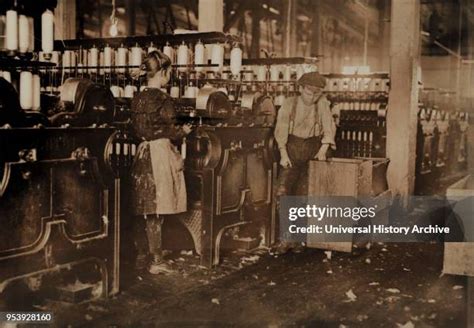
x=123 y=59
x=19 y=32
x=440 y=115
x=203 y=58
x=358 y=84
x=29 y=89
x=19 y=38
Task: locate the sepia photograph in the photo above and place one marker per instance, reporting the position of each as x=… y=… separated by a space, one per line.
x=237 y=163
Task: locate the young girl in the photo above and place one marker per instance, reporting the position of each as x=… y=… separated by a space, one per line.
x=158 y=186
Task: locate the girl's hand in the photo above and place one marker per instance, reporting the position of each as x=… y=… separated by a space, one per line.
x=187 y=128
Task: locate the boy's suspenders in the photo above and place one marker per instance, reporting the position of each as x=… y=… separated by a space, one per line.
x=291 y=122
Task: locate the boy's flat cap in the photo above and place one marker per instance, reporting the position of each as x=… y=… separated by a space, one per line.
x=313 y=79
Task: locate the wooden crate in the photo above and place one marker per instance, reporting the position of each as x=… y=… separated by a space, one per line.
x=459 y=257
x=360 y=177
x=340 y=177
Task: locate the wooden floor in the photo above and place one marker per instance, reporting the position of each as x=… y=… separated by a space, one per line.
x=380 y=287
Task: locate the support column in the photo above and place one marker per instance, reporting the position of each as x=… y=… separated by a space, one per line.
x=403 y=98
x=316 y=44
x=130 y=9
x=255 y=45
x=289 y=30
x=385 y=36
x=459 y=71
x=65 y=20
x=211 y=16
x=365 y=55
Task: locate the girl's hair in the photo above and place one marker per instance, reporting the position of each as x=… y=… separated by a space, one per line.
x=154 y=62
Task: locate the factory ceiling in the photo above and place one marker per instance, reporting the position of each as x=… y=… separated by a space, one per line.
x=145 y=17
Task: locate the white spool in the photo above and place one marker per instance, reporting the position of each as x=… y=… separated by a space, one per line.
x=386 y=85
x=23 y=34
x=199 y=56
x=168 y=51
x=217 y=57
x=117 y=91
x=287 y=73
x=121 y=59
x=174 y=92
x=93 y=59
x=135 y=57
x=182 y=58
x=31 y=34
x=80 y=70
x=55 y=57
x=236 y=61
x=191 y=92
x=274 y=73
x=26 y=90
x=279 y=100
x=85 y=57
x=101 y=63
x=372 y=85
x=73 y=60
x=11 y=37
x=130 y=91
x=116 y=60
x=338 y=85
x=66 y=60
x=329 y=85
x=36 y=92
x=248 y=75
x=81 y=60
x=55 y=60
x=47 y=31
x=262 y=73
x=107 y=59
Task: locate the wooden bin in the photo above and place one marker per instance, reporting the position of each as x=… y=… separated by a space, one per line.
x=359 y=177
x=340 y=177
x=459 y=257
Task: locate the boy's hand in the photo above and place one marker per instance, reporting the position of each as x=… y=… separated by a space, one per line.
x=321 y=155
x=285 y=161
